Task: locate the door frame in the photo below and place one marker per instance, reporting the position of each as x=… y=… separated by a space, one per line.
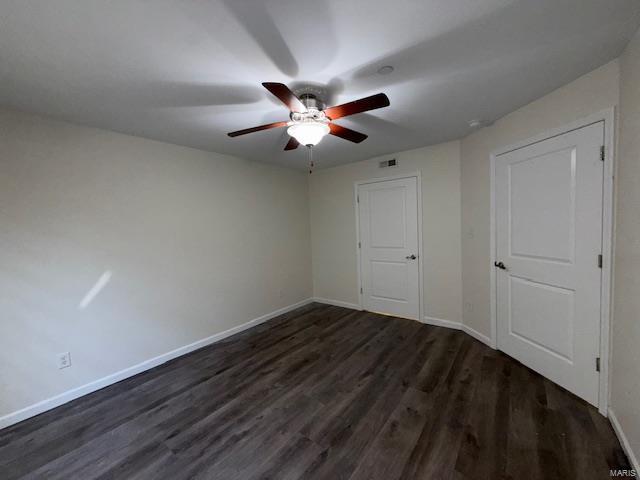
x=608 y=116
x=418 y=176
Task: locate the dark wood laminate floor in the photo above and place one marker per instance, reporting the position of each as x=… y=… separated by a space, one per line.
x=323 y=393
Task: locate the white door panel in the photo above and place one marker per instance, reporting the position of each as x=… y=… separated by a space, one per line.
x=549 y=236
x=389 y=280
x=388 y=213
x=532 y=303
x=543 y=205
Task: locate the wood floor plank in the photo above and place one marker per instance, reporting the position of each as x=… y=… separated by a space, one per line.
x=449 y=407
x=317 y=393
x=521 y=463
x=387 y=455
x=487 y=430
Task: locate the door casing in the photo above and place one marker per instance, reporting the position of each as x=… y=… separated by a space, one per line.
x=356 y=184
x=608 y=117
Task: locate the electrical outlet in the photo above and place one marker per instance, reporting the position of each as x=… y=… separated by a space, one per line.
x=64 y=360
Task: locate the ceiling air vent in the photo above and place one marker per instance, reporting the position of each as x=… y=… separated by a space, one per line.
x=388 y=163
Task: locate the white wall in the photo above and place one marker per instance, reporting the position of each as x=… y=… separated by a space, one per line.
x=588 y=94
x=196 y=242
x=625 y=339
x=333 y=226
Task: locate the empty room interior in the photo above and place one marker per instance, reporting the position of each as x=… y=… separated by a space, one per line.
x=319 y=239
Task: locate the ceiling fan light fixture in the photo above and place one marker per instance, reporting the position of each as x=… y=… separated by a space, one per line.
x=310 y=121
x=308 y=133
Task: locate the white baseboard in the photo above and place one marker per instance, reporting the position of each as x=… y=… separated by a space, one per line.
x=439 y=322
x=624 y=441
x=337 y=303
x=48 y=404
x=478 y=336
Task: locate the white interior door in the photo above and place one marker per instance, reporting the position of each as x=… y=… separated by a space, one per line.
x=548 y=239
x=388 y=214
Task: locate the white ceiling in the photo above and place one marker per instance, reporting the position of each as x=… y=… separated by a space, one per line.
x=189 y=71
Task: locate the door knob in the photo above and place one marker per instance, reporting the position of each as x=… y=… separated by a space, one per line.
x=411 y=257
x=500 y=265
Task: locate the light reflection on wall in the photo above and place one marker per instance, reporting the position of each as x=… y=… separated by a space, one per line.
x=95 y=290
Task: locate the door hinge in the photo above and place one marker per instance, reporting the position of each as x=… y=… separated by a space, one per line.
x=597 y=364
x=599 y=261
x=602 y=153
x=359 y=245
x=358 y=198
x=361 y=290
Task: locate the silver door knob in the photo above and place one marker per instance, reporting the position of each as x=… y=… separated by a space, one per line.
x=411 y=257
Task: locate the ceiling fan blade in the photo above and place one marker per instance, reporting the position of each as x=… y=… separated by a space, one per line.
x=292 y=144
x=257 y=129
x=379 y=100
x=286 y=96
x=346 y=133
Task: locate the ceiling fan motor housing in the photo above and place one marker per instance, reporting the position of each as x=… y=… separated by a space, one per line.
x=310 y=100
x=314 y=111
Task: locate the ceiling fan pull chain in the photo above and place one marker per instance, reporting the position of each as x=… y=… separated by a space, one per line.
x=310 y=149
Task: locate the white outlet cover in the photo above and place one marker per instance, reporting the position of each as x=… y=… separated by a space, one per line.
x=64 y=360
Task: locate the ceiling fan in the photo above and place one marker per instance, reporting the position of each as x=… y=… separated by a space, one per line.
x=310 y=121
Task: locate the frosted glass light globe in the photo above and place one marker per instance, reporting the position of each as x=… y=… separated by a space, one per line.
x=308 y=133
